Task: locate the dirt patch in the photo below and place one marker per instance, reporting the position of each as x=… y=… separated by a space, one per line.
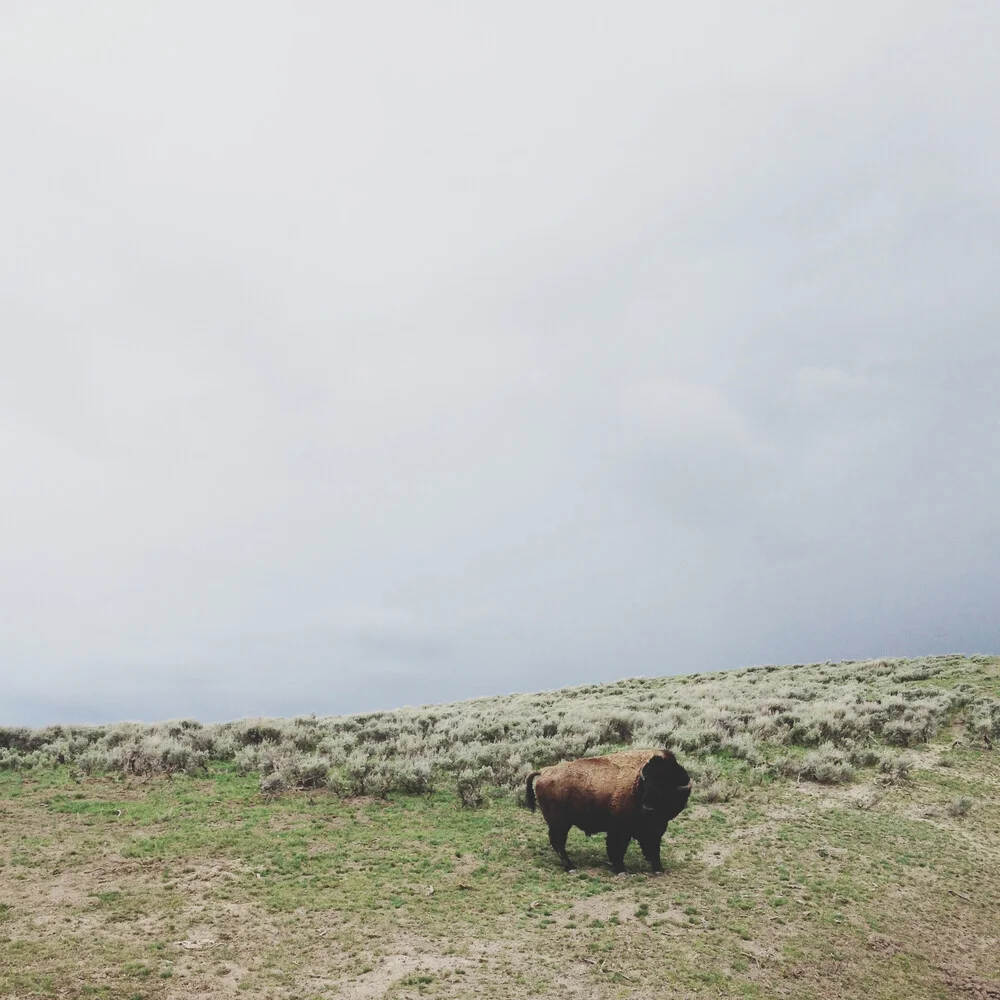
x=760 y=951
x=396 y=968
x=198 y=939
x=603 y=908
x=971 y=986
x=581 y=986
x=827 y=796
x=409 y=961
x=212 y=873
x=923 y=813
x=715 y=854
x=361 y=801
x=466 y=865
x=884 y=945
x=700 y=812
x=784 y=813
x=57 y=896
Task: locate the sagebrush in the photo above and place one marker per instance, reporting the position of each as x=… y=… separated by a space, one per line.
x=818 y=722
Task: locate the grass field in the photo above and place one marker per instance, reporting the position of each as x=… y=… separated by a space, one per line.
x=880 y=879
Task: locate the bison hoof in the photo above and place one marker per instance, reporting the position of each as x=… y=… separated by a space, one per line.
x=621 y=874
x=570 y=871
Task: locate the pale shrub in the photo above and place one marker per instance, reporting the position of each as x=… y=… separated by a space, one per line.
x=310 y=771
x=273 y=784
x=895 y=767
x=357 y=776
x=743 y=747
x=841 y=713
x=960 y=806
x=864 y=799
x=246 y=760
x=983 y=722
x=826 y=765
x=470 y=785
x=415 y=776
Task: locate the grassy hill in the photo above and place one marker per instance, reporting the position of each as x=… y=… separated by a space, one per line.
x=842 y=841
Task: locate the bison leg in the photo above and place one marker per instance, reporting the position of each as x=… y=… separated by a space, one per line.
x=617 y=846
x=649 y=836
x=651 y=852
x=557 y=838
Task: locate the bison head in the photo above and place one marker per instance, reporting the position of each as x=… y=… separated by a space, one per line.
x=664 y=787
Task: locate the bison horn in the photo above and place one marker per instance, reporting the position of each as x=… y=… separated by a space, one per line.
x=684 y=788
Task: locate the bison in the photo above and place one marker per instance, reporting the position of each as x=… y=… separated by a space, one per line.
x=630 y=794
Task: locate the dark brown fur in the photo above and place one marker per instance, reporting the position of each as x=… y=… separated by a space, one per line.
x=633 y=794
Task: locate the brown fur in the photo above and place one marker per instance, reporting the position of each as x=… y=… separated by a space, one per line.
x=605 y=795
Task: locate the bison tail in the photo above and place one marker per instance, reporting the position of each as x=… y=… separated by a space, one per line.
x=529 y=791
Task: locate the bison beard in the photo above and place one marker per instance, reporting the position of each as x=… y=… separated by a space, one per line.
x=627 y=795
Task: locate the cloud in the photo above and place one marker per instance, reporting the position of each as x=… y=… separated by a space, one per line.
x=818 y=386
x=351 y=358
x=681 y=416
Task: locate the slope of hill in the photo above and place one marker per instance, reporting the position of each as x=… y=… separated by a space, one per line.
x=842 y=841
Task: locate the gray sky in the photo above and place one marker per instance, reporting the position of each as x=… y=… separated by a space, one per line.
x=366 y=354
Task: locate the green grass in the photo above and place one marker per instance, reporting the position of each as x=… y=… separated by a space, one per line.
x=119 y=887
x=804 y=880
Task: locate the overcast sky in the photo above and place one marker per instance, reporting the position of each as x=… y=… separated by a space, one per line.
x=356 y=355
